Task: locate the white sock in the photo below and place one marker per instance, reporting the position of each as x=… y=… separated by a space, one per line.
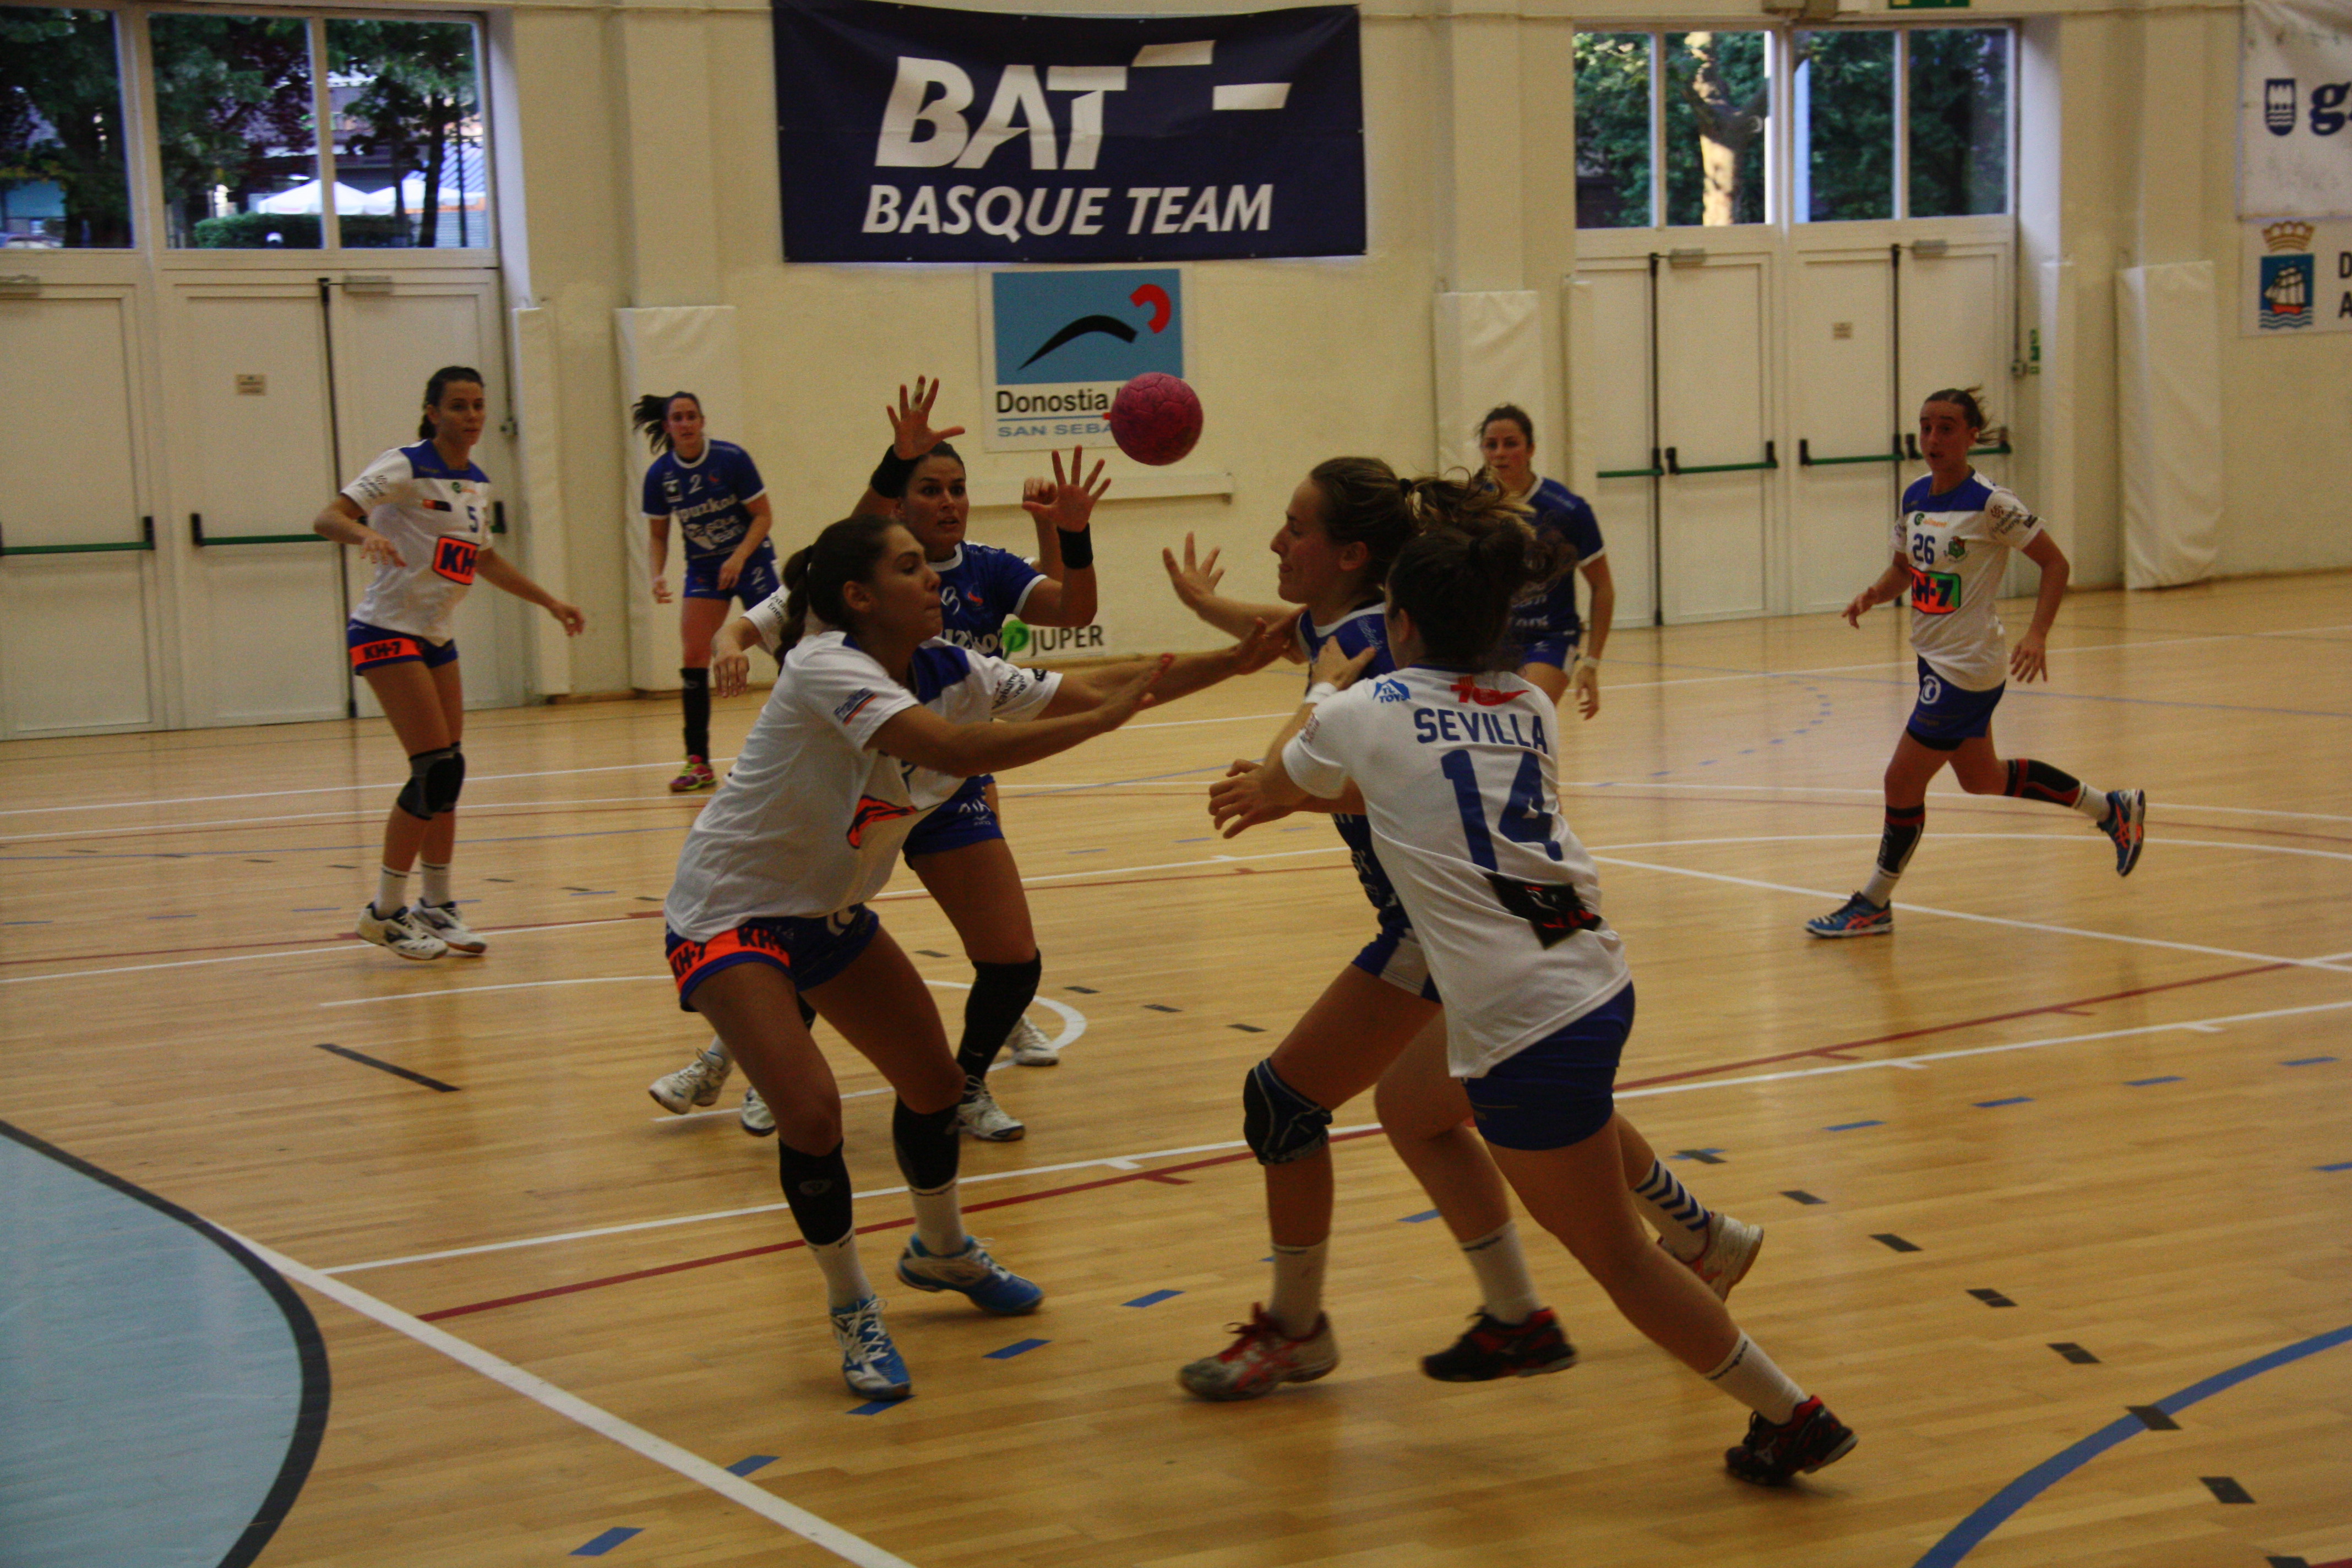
x=391 y=892
x=939 y=1221
x=1297 y=1303
x=716 y=1051
x=1679 y=1218
x=1880 y=889
x=2093 y=803
x=436 y=883
x=844 y=1276
x=1749 y=1375
x=1502 y=1271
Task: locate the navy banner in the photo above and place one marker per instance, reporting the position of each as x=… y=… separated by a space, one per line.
x=910 y=134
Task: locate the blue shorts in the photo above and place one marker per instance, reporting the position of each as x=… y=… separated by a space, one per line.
x=374 y=647
x=961 y=819
x=1946 y=715
x=1559 y=652
x=1557 y=1091
x=1396 y=957
x=756 y=582
x=811 y=950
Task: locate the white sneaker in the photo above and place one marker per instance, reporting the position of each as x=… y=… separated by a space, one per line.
x=980 y=1117
x=870 y=1363
x=442 y=921
x=696 y=1083
x=1030 y=1048
x=756 y=1119
x=1731 y=1249
x=400 y=931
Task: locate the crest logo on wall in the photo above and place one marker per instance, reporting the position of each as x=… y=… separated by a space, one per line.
x=2289 y=276
x=2278 y=104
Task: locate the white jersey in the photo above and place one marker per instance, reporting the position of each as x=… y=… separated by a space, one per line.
x=438 y=517
x=1461 y=786
x=810 y=820
x=1957 y=545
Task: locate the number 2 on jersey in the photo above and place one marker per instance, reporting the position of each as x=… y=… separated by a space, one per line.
x=1524 y=819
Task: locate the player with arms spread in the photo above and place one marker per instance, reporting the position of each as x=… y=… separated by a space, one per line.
x=1952 y=546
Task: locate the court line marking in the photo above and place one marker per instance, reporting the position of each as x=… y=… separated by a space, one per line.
x=603 y=1422
x=1131 y=1163
x=1213 y=861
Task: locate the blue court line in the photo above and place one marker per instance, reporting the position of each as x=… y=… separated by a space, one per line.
x=2012 y=1099
x=749 y=1462
x=1417 y=1218
x=1850 y=1126
x=1156 y=1296
x=2347 y=1165
x=1971 y=1532
x=1018 y=1347
x=2306 y=1062
x=1202 y=839
x=46 y=922
x=875 y=1406
x=2143 y=1082
x=605 y=1542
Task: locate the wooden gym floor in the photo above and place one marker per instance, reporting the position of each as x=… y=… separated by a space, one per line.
x=2063 y=1149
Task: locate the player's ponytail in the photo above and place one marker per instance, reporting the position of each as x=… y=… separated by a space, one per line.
x=650 y=414
x=815 y=575
x=441 y=382
x=1457 y=577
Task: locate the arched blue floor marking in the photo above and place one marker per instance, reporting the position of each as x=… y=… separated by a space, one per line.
x=1969 y=1533
x=151 y=1415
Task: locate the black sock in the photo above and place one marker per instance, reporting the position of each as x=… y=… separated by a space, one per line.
x=697 y=697
x=2030 y=780
x=926 y=1146
x=1000 y=994
x=1899 y=837
x=817 y=1188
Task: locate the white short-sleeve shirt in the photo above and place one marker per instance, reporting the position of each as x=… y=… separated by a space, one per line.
x=439 y=517
x=1461 y=786
x=811 y=817
x=1957 y=545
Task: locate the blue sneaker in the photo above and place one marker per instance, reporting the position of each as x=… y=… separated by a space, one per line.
x=870 y=1363
x=992 y=1286
x=1856 y=917
x=2125 y=826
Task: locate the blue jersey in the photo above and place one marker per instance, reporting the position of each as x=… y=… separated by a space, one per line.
x=981 y=587
x=1355 y=632
x=707 y=499
x=1551 y=612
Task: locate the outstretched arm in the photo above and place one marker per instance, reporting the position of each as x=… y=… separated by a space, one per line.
x=1265 y=792
x=1082 y=690
x=1195 y=580
x=920 y=736
x=911 y=436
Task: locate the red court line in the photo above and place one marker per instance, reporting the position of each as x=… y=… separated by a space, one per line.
x=1163 y=1174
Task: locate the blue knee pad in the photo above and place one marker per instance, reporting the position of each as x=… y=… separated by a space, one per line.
x=1280 y=1123
x=436 y=780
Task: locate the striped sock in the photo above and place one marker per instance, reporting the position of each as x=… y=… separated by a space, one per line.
x=1679 y=1218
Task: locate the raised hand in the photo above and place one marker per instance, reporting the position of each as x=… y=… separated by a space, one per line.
x=1194 y=579
x=911 y=435
x=1338 y=668
x=1066 y=501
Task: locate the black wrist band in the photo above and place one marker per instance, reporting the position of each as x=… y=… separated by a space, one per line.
x=891 y=474
x=1077 y=549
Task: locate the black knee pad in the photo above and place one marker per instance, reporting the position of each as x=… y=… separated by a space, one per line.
x=435 y=779
x=926 y=1146
x=1280 y=1123
x=816 y=1186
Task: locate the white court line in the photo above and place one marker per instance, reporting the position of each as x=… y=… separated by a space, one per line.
x=335 y=789
x=603 y=1422
x=471 y=990
x=1918 y=1062
x=371 y=812
x=1951 y=795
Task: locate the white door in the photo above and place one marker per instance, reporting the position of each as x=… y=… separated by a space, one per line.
x=387 y=347
x=1717 y=432
x=80 y=649
x=1957 y=325
x=1610 y=378
x=1847 y=435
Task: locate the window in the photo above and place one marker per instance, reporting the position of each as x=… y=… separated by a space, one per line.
x=409 y=164
x=1719 y=98
x=1957 y=84
x=1843 y=106
x=233 y=118
x=1613 y=130
x=62 y=180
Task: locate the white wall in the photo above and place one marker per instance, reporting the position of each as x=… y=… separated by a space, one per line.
x=647 y=135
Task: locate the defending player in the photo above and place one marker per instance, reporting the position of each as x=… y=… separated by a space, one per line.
x=870 y=729
x=420 y=515
x=1454 y=763
x=712 y=492
x=1951 y=547
x=1344 y=525
x=1554 y=650
x=960 y=853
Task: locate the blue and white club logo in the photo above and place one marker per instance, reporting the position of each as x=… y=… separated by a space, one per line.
x=2278 y=104
x=2288 y=284
x=1931 y=691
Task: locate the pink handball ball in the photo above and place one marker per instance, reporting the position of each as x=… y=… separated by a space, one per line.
x=1155 y=418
